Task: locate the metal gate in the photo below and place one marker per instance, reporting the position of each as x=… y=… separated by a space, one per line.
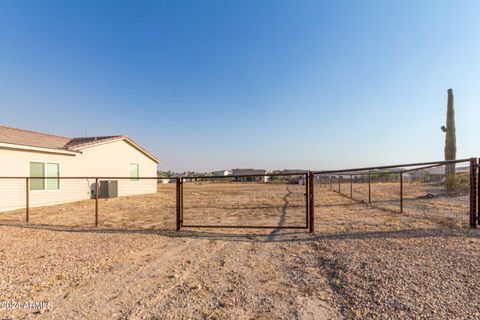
x=269 y=201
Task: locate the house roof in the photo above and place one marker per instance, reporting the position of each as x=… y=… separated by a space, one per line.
x=30 y=138
x=241 y=172
x=86 y=141
x=437 y=171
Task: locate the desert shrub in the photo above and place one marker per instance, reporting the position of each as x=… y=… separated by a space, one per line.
x=384 y=176
x=462 y=183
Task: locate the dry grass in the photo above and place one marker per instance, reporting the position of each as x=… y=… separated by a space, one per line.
x=245 y=204
x=448 y=208
x=205 y=204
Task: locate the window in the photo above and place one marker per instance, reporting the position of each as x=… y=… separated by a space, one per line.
x=53 y=171
x=133 y=171
x=49 y=170
x=37 y=169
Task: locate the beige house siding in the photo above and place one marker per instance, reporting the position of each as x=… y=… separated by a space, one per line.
x=109 y=159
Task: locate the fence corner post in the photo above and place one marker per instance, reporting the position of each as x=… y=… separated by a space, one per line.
x=27 y=200
x=178 y=191
x=96 y=201
x=478 y=192
x=311 y=177
x=473 y=193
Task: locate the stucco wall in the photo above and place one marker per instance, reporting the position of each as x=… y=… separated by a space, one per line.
x=105 y=160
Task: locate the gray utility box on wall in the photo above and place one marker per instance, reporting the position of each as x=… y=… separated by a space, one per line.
x=108 y=189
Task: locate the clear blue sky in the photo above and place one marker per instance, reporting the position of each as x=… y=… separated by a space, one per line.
x=269 y=84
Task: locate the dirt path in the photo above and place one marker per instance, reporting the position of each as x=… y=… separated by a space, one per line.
x=361 y=263
x=199 y=279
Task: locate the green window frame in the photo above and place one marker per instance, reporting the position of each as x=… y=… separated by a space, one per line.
x=133 y=171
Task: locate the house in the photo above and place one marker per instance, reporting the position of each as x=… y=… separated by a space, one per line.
x=221 y=173
x=248 y=175
x=33 y=154
x=434 y=174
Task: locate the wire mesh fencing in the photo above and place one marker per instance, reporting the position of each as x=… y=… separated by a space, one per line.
x=65 y=202
x=146 y=203
x=424 y=191
x=268 y=201
x=141 y=203
x=441 y=192
x=13 y=199
x=428 y=193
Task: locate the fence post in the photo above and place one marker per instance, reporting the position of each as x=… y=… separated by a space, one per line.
x=96 y=201
x=178 y=205
x=351 y=186
x=181 y=202
x=473 y=193
x=339 y=182
x=401 y=192
x=312 y=202
x=307 y=199
x=478 y=192
x=27 y=200
x=369 y=189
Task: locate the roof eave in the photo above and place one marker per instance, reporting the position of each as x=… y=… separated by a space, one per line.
x=22 y=147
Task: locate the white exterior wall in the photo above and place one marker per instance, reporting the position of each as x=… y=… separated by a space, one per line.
x=110 y=159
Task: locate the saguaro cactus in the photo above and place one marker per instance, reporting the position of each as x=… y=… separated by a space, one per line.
x=450 y=143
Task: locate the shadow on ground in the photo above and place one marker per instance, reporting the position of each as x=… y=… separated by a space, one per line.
x=276 y=235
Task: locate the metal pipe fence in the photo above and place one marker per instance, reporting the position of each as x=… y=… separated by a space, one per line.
x=277 y=201
x=419 y=189
x=274 y=200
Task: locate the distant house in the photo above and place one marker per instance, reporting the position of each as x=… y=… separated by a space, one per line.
x=249 y=175
x=33 y=154
x=222 y=173
x=434 y=174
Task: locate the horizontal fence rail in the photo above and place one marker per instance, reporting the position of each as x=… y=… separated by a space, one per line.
x=419 y=164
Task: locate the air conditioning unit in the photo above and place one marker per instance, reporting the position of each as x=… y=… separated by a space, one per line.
x=108 y=189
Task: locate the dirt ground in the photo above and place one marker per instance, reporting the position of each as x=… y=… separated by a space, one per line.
x=426 y=200
x=361 y=262
x=241 y=204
